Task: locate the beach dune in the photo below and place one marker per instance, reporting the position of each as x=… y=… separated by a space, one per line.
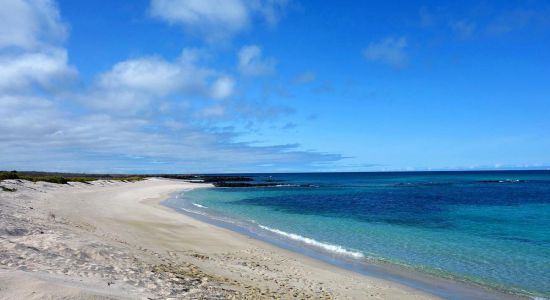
x=114 y=240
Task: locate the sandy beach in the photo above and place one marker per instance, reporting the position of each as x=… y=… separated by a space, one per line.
x=113 y=240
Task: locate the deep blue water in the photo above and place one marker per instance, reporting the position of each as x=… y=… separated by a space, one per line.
x=491 y=228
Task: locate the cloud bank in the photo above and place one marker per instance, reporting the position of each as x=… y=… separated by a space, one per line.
x=143 y=114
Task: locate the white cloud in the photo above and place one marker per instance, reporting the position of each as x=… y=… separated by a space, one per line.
x=39 y=132
x=20 y=72
x=152 y=75
x=223 y=88
x=216 y=20
x=173 y=124
x=35 y=115
x=215 y=111
x=390 y=51
x=133 y=85
x=271 y=10
x=251 y=62
x=29 y=24
x=29 y=55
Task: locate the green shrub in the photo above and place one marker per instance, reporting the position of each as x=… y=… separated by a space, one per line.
x=62 y=179
x=14 y=175
x=81 y=179
x=131 y=178
x=51 y=179
x=8 y=175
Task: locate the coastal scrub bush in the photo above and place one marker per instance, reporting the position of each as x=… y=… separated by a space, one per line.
x=8 y=175
x=81 y=179
x=15 y=175
x=52 y=179
x=130 y=178
x=63 y=179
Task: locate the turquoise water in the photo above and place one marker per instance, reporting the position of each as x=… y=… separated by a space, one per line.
x=491 y=228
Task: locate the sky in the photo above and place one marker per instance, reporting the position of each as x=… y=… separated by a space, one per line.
x=227 y=86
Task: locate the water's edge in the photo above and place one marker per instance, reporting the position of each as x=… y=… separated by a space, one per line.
x=429 y=283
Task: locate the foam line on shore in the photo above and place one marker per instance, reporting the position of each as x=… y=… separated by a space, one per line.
x=309 y=241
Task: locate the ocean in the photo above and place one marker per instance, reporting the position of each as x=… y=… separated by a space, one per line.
x=485 y=228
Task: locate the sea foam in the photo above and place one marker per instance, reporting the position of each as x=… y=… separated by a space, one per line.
x=325 y=246
x=199 y=206
x=194 y=212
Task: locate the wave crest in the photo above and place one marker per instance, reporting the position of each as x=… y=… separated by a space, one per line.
x=325 y=246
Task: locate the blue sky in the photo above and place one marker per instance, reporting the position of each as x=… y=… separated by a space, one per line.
x=274 y=85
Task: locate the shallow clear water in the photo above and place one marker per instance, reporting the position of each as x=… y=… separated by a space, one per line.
x=492 y=228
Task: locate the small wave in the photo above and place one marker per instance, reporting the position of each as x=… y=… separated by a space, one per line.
x=325 y=246
x=295 y=185
x=416 y=184
x=194 y=212
x=510 y=180
x=502 y=181
x=199 y=206
x=211 y=217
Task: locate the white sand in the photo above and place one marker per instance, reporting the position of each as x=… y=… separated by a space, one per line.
x=113 y=240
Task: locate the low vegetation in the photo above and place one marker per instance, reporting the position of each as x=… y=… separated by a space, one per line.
x=130 y=178
x=7 y=189
x=63 y=178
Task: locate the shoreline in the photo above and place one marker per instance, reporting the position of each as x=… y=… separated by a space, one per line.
x=114 y=240
x=291 y=251
x=440 y=286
